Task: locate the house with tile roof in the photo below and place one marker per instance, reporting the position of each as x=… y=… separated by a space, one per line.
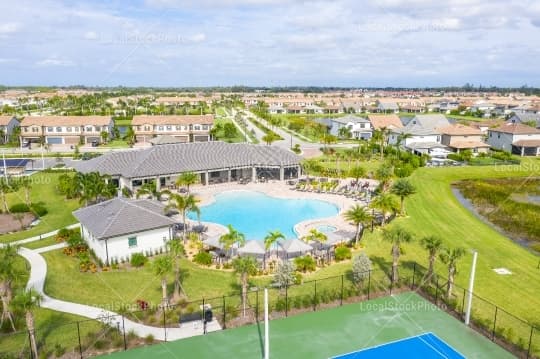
x=516 y=138
x=385 y=121
x=460 y=137
x=187 y=128
x=118 y=228
x=65 y=130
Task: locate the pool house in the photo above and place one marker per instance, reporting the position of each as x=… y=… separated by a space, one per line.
x=214 y=162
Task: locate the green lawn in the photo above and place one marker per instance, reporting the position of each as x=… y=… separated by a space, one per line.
x=45 y=242
x=116 y=144
x=44 y=190
x=122 y=122
x=331 y=332
x=221 y=136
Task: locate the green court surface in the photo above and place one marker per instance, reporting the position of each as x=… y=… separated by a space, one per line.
x=331 y=332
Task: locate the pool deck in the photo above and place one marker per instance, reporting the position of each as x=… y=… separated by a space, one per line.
x=280 y=189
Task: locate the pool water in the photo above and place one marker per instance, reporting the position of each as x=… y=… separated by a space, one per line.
x=254 y=213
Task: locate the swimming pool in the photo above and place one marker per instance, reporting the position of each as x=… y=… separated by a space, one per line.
x=255 y=213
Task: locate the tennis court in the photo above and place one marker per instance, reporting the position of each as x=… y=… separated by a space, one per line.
x=426 y=346
x=330 y=333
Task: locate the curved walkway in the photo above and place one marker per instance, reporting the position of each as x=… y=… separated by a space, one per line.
x=38 y=273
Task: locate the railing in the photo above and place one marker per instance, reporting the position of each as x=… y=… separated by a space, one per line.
x=89 y=337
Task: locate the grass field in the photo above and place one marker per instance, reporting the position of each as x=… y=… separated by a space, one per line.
x=330 y=332
x=59 y=209
x=45 y=242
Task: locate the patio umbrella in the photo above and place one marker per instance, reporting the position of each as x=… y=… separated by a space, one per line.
x=213 y=241
x=295 y=246
x=338 y=237
x=253 y=247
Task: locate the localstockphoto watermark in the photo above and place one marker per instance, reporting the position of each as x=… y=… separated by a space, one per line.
x=421 y=306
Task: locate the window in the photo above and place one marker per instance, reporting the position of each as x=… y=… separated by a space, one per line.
x=147 y=128
x=98 y=128
x=178 y=128
x=197 y=127
x=160 y=128
x=205 y=127
x=68 y=129
x=132 y=242
x=498 y=135
x=35 y=129
x=88 y=129
x=169 y=128
x=26 y=129
x=76 y=129
x=59 y=129
x=50 y=129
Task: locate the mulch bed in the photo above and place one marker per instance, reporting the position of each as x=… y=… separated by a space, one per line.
x=8 y=223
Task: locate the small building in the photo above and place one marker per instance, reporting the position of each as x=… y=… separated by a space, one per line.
x=118 y=228
x=460 y=137
x=385 y=121
x=516 y=138
x=526 y=118
x=14 y=166
x=7 y=125
x=388 y=107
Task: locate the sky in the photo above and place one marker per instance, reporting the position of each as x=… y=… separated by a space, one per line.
x=350 y=43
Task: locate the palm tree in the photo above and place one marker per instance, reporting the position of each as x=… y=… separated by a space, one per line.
x=244 y=266
x=269 y=138
x=5 y=188
x=361 y=217
x=184 y=204
x=162 y=266
x=187 y=179
x=272 y=238
x=26 y=183
x=386 y=203
x=311 y=166
x=8 y=274
x=433 y=245
x=231 y=238
x=403 y=188
x=148 y=189
x=344 y=132
x=397 y=236
x=357 y=172
x=384 y=174
x=27 y=301
x=450 y=257
x=176 y=251
x=402 y=138
x=315 y=236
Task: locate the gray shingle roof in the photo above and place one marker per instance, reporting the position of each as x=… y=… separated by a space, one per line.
x=178 y=158
x=350 y=119
x=121 y=216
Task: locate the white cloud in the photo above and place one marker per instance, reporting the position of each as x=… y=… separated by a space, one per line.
x=55 y=61
x=9 y=28
x=90 y=35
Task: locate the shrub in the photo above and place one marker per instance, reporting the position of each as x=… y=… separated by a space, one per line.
x=19 y=208
x=203 y=258
x=59 y=350
x=62 y=235
x=360 y=268
x=284 y=274
x=342 y=253
x=305 y=263
x=149 y=339
x=138 y=260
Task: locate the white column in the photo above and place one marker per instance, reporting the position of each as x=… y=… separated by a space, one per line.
x=281 y=173
x=229 y=175
x=471 y=287
x=253 y=174
x=206 y=178
x=266 y=327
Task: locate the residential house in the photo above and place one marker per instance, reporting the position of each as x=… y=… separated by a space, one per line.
x=7 y=125
x=421 y=135
x=516 y=138
x=275 y=109
x=118 y=228
x=388 y=107
x=385 y=121
x=359 y=127
x=526 y=118
x=460 y=137
x=485 y=125
x=66 y=130
x=188 y=128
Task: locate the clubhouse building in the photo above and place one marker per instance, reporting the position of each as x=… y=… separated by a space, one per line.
x=214 y=162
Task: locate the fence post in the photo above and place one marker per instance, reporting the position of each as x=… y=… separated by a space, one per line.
x=315 y=296
x=224 y=315
x=341 y=298
x=79 y=336
x=413 y=275
x=286 y=299
x=165 y=322
x=369 y=284
x=257 y=306
x=463 y=304
x=494 y=324
x=530 y=342
x=392 y=283
x=124 y=331
x=203 y=316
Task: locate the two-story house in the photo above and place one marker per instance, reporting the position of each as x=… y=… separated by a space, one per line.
x=460 y=137
x=7 y=125
x=516 y=138
x=359 y=127
x=187 y=128
x=65 y=130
